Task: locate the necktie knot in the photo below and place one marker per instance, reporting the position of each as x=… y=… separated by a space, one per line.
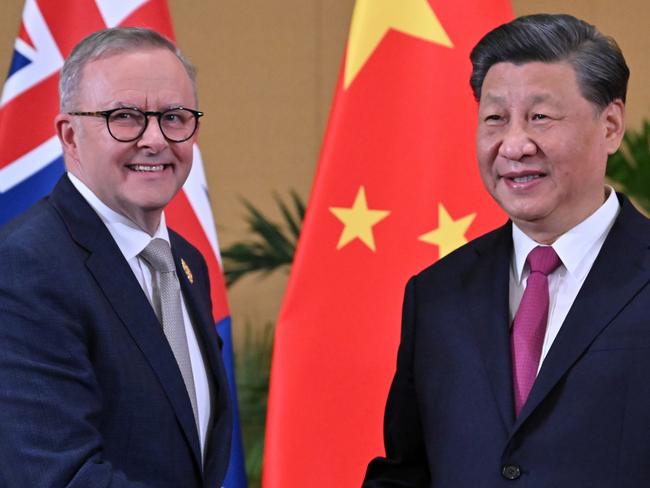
x=158 y=254
x=544 y=260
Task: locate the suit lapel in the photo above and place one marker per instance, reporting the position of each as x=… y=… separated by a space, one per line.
x=105 y=262
x=194 y=281
x=486 y=297
x=199 y=308
x=619 y=272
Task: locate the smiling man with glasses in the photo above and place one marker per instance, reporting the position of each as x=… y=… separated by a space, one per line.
x=110 y=368
x=132 y=166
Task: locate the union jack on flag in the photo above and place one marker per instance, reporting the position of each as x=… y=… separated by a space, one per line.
x=31 y=159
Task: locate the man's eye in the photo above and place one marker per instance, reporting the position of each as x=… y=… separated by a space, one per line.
x=492 y=118
x=125 y=115
x=539 y=117
x=173 y=117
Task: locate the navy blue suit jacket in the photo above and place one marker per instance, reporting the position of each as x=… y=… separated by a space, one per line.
x=90 y=393
x=450 y=419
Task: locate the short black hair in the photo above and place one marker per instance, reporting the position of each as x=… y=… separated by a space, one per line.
x=598 y=62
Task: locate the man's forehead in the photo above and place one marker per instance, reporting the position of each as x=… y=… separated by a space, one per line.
x=496 y=96
x=131 y=74
x=560 y=66
x=136 y=64
x=540 y=81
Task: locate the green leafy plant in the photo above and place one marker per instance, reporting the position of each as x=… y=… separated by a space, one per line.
x=629 y=167
x=253 y=364
x=273 y=245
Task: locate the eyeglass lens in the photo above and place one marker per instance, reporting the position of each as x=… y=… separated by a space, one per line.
x=128 y=124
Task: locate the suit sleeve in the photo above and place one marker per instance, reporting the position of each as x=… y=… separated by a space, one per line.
x=50 y=402
x=405 y=462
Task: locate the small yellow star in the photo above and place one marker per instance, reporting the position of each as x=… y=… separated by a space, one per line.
x=450 y=234
x=372 y=19
x=358 y=221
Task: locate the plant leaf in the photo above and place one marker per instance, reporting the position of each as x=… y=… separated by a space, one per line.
x=272 y=245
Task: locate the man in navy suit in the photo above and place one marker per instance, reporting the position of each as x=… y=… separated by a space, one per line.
x=551 y=91
x=91 y=392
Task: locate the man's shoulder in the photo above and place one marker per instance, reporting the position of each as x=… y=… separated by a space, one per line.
x=39 y=226
x=36 y=248
x=491 y=245
x=45 y=222
x=631 y=217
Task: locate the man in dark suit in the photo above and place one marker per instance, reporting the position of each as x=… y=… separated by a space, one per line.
x=109 y=375
x=525 y=355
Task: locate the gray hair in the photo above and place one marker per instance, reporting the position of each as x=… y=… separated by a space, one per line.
x=108 y=42
x=598 y=62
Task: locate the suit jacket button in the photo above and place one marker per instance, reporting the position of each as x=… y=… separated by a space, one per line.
x=511 y=471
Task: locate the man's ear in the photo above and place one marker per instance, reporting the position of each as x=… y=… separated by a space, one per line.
x=67 y=133
x=614 y=123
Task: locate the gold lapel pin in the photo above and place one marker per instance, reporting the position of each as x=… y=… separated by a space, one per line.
x=187 y=270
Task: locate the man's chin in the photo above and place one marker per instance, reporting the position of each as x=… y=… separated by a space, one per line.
x=527 y=216
x=145 y=213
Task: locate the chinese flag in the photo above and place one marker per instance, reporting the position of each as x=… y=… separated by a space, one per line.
x=396 y=189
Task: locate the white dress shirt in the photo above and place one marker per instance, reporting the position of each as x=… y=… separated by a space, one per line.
x=131 y=240
x=577 y=249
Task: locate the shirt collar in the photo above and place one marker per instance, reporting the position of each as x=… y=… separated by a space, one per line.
x=574 y=245
x=130 y=238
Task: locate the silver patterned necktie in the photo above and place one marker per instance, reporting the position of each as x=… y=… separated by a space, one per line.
x=158 y=254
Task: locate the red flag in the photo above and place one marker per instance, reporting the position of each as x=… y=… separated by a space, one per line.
x=396 y=188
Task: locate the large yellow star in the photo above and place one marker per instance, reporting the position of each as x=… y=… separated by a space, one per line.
x=371 y=20
x=450 y=234
x=358 y=221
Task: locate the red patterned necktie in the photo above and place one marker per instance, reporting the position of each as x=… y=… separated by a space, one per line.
x=529 y=325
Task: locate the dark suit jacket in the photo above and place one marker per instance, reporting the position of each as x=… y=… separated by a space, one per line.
x=90 y=393
x=450 y=419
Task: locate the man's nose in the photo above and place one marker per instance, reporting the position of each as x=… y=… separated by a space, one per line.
x=152 y=135
x=517 y=142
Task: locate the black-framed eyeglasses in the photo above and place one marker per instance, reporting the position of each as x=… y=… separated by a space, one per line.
x=128 y=124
